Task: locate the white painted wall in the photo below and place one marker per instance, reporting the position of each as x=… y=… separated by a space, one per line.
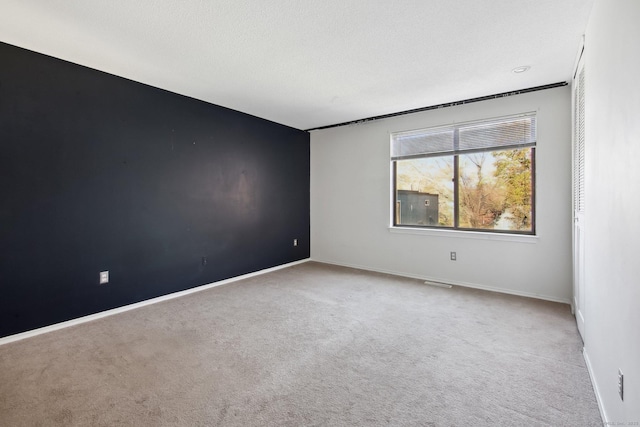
x=351 y=207
x=612 y=253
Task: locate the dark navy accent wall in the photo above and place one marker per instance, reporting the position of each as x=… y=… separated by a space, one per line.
x=102 y=173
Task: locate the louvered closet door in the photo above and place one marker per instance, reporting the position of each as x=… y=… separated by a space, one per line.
x=579 y=194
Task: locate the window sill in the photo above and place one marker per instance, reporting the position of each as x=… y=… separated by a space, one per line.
x=459 y=234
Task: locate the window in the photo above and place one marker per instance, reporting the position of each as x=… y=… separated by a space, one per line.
x=471 y=176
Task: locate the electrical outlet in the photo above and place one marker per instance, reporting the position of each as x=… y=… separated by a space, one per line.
x=453 y=256
x=104 y=277
x=621 y=384
x=295 y=242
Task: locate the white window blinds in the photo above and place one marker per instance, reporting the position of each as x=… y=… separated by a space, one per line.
x=504 y=133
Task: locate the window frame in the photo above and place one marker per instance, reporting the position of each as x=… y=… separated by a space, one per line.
x=456 y=228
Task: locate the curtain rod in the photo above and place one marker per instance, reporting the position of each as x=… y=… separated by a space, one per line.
x=445 y=105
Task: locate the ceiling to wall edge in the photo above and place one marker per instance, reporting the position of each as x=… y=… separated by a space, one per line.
x=445 y=105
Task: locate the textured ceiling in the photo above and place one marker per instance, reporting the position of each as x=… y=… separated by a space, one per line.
x=310 y=63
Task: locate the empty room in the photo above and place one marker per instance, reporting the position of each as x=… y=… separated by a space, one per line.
x=243 y=213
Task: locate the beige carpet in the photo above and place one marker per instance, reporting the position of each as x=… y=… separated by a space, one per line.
x=312 y=345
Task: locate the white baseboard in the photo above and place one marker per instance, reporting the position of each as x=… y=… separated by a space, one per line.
x=603 y=413
x=451 y=282
x=100 y=315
